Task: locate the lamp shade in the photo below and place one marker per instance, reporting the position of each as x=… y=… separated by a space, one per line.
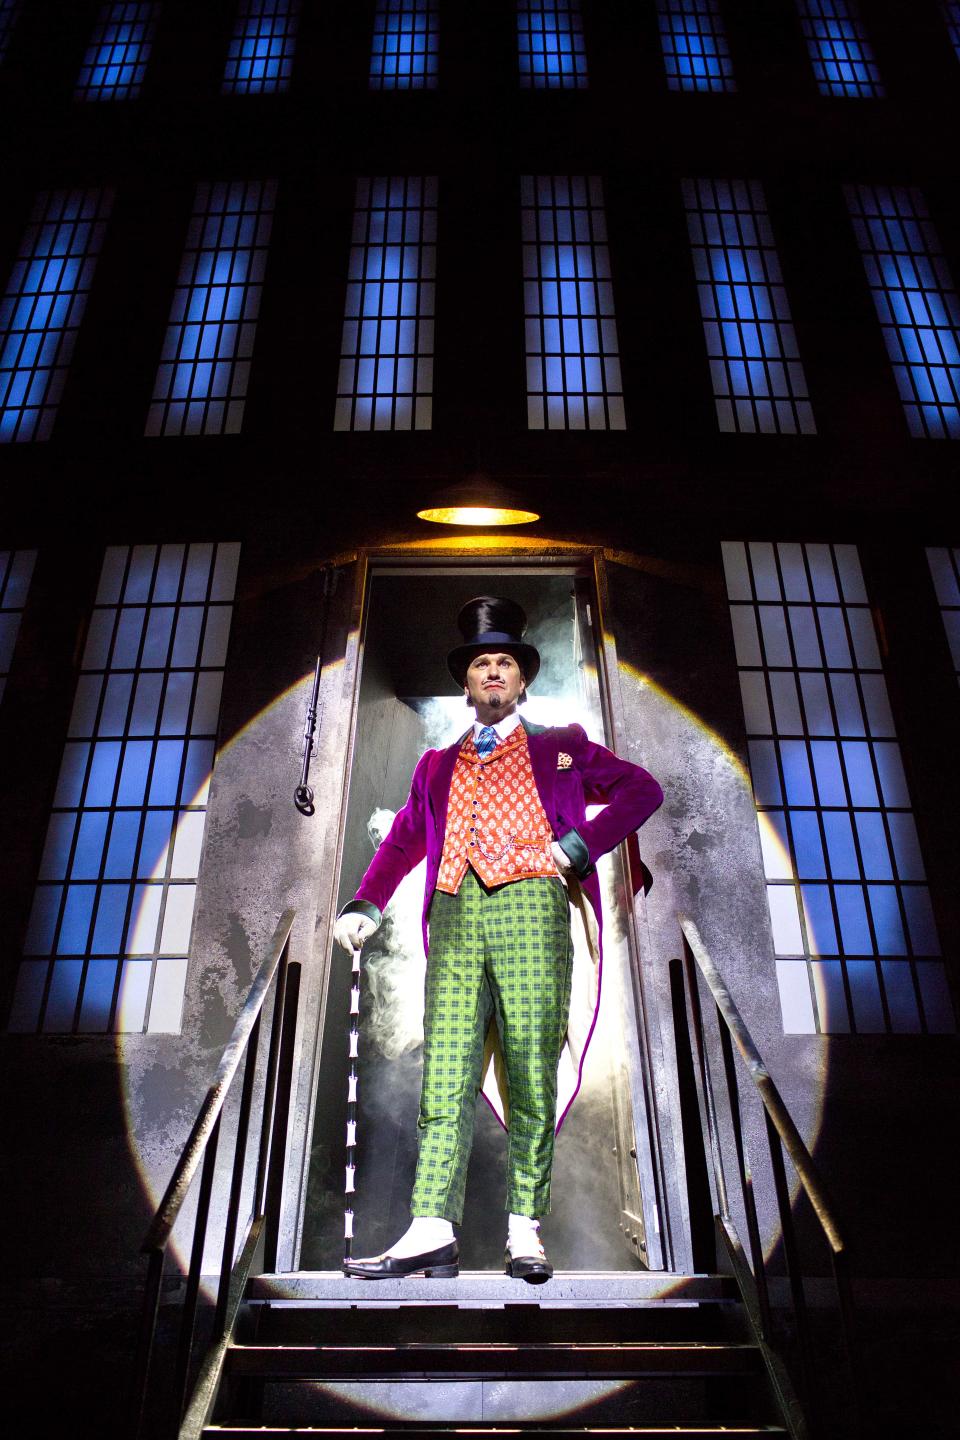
x=477 y=501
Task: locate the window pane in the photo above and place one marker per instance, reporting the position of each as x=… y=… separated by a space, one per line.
x=405 y=51
x=9 y=11
x=832 y=802
x=28 y=997
x=694 y=42
x=550 y=45
x=951 y=15
x=945 y=569
x=785 y=920
x=865 y=993
x=201 y=383
x=166 y=1003
x=916 y=303
x=62 y=997
x=116 y=60
x=44 y=304
x=386 y=348
x=758 y=382
x=260 y=54
x=129 y=891
x=132 y=1000
x=573 y=364
x=795 y=1003
x=840 y=52
x=16 y=570
x=831 y=996
x=98 y=989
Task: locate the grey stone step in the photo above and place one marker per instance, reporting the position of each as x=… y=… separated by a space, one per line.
x=478 y=1288
x=296 y=1322
x=410 y=1430
x=417 y=1362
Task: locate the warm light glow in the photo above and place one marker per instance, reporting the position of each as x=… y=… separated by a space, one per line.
x=477 y=515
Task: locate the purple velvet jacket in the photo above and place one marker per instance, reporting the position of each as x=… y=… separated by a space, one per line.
x=629 y=794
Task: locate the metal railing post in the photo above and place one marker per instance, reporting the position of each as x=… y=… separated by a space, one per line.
x=746 y=1181
x=791 y=1254
x=236 y=1179
x=270 y=1084
x=200 y=1155
x=783 y=1138
x=145 y=1340
x=191 y=1298
x=281 y=1119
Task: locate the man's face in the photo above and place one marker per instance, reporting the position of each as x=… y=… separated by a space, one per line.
x=494 y=682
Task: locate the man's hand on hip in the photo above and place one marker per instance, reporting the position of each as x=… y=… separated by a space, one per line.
x=351 y=931
x=560 y=858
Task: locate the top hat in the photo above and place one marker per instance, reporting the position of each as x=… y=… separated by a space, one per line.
x=489 y=623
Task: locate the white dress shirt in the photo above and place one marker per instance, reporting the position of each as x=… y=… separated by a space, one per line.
x=503 y=727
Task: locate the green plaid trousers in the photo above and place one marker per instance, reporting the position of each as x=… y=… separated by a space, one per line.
x=505 y=954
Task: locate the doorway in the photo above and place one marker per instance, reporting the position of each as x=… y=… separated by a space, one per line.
x=407 y=703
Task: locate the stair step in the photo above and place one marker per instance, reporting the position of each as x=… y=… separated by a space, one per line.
x=478 y=1288
x=588 y=1361
x=554 y=1432
x=298 y=1323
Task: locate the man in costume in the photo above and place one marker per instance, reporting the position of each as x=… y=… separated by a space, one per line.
x=501 y=818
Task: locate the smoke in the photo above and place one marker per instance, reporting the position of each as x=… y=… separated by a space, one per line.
x=394 y=963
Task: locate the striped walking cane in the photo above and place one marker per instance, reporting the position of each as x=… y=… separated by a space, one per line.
x=354 y=1054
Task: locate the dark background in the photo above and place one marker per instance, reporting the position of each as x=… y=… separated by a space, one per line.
x=296 y=494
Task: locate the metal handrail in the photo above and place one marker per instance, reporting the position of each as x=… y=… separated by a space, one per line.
x=780 y=1116
x=200 y=1155
x=782 y=1135
x=199 y=1137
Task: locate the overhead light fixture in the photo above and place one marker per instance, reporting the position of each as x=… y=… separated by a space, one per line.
x=477 y=501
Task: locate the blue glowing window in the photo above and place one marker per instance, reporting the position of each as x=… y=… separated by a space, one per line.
x=9 y=10
x=945 y=569
x=16 y=570
x=204 y=370
x=694 y=43
x=260 y=57
x=573 y=359
x=853 y=926
x=551 y=48
x=43 y=307
x=840 y=52
x=109 y=932
x=951 y=15
x=916 y=303
x=758 y=380
x=406 y=38
x=116 y=59
x=386 y=354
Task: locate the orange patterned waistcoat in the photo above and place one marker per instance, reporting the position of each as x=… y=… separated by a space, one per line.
x=495 y=821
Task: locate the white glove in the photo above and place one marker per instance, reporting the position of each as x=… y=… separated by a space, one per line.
x=352 y=930
x=560 y=858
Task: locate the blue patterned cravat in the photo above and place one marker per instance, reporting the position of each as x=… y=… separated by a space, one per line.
x=486 y=742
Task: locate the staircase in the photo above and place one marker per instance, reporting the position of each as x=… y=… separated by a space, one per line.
x=256 y=1352
x=634 y=1354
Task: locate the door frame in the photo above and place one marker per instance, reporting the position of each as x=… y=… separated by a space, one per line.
x=656 y=1135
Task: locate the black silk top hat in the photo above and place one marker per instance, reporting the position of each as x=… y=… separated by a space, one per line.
x=489 y=623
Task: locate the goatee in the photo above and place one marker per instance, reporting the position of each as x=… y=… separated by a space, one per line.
x=494 y=701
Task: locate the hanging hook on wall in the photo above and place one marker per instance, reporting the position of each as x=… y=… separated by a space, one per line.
x=303 y=796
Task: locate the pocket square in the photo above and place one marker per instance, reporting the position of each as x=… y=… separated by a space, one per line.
x=564 y=761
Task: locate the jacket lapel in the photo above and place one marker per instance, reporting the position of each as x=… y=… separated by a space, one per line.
x=544 y=747
x=438 y=786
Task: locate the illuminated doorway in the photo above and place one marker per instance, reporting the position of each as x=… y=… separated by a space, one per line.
x=606 y=1208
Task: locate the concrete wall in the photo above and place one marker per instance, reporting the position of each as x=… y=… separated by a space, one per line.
x=95 y=1124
